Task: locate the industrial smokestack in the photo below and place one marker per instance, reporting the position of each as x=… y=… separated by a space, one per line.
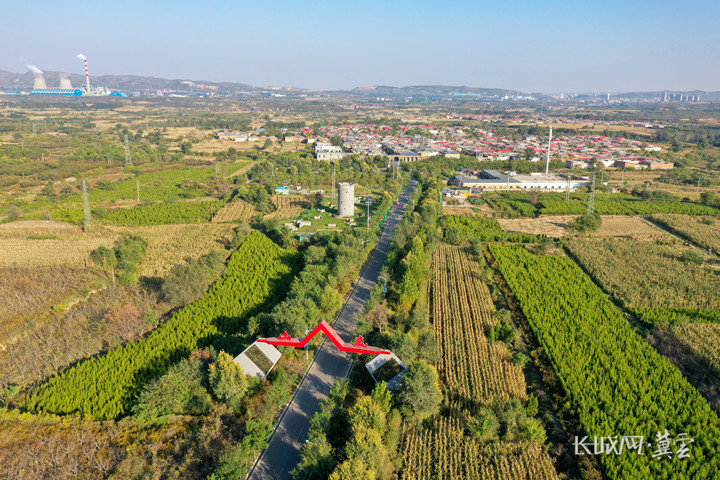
x=38 y=77
x=65 y=82
x=87 y=75
x=547 y=161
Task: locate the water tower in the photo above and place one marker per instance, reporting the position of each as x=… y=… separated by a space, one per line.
x=346 y=199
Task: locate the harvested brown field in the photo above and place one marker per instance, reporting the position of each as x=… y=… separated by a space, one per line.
x=233 y=211
x=612 y=226
x=466 y=210
x=171 y=244
x=40 y=243
x=289 y=206
x=26 y=291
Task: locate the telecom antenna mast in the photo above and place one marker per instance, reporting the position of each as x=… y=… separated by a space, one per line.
x=591 y=200
x=128 y=158
x=86 y=208
x=547 y=159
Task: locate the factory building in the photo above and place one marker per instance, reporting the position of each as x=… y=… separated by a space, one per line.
x=493 y=180
x=346 y=199
x=73 y=92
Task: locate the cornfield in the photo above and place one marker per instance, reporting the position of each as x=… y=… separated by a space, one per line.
x=474 y=369
x=441 y=451
x=289 y=206
x=646 y=274
x=705 y=233
x=44 y=244
x=236 y=210
x=703 y=339
x=172 y=244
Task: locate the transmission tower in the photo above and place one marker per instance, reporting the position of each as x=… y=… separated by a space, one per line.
x=86 y=208
x=591 y=200
x=128 y=158
x=567 y=190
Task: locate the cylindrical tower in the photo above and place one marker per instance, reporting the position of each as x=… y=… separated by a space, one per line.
x=346 y=199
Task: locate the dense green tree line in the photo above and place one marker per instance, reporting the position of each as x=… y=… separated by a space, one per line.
x=459 y=228
x=164 y=213
x=616 y=381
x=104 y=387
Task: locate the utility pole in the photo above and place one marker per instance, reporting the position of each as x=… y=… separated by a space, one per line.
x=128 y=157
x=547 y=161
x=86 y=208
x=368 y=202
x=137 y=185
x=591 y=200
x=567 y=191
x=332 y=188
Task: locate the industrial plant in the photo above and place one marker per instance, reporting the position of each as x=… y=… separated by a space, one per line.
x=65 y=87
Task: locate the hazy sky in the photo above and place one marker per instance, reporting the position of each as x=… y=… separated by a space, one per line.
x=542 y=45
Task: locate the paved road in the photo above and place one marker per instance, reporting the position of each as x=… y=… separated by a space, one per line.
x=283 y=452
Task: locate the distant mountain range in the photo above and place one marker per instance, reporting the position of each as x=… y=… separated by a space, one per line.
x=11 y=81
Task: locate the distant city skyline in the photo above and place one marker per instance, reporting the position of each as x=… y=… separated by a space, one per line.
x=542 y=46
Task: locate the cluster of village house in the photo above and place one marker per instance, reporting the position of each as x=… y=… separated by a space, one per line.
x=408 y=143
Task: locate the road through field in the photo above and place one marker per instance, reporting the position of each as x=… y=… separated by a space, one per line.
x=283 y=451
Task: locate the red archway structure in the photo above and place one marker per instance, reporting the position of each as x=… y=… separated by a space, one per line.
x=358 y=347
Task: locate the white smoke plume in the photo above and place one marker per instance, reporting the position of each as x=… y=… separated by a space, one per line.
x=33 y=69
x=81 y=56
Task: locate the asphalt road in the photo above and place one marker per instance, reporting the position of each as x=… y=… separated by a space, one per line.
x=283 y=451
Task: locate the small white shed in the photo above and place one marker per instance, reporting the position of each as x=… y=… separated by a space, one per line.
x=258 y=359
x=388 y=368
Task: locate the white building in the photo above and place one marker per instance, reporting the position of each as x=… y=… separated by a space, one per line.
x=325 y=151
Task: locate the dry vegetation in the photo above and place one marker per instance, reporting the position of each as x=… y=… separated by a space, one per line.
x=703 y=339
x=233 y=211
x=25 y=292
x=647 y=274
x=38 y=243
x=171 y=244
x=54 y=340
x=443 y=451
x=704 y=232
x=612 y=226
x=473 y=369
x=289 y=206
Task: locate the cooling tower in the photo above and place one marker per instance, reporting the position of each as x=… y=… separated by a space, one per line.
x=38 y=78
x=65 y=81
x=346 y=199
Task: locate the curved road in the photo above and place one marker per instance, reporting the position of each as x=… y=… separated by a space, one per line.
x=283 y=451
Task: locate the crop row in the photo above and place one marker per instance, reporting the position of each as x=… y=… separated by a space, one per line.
x=165 y=213
x=441 y=451
x=474 y=370
x=618 y=384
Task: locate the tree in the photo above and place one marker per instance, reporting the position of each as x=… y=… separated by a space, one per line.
x=366 y=444
x=104 y=256
x=403 y=346
x=378 y=316
x=183 y=283
x=240 y=233
x=355 y=469
x=179 y=391
x=420 y=393
x=586 y=223
x=330 y=300
x=125 y=321
x=367 y=414
x=227 y=381
x=485 y=426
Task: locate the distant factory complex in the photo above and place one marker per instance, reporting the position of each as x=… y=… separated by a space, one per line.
x=65 y=87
